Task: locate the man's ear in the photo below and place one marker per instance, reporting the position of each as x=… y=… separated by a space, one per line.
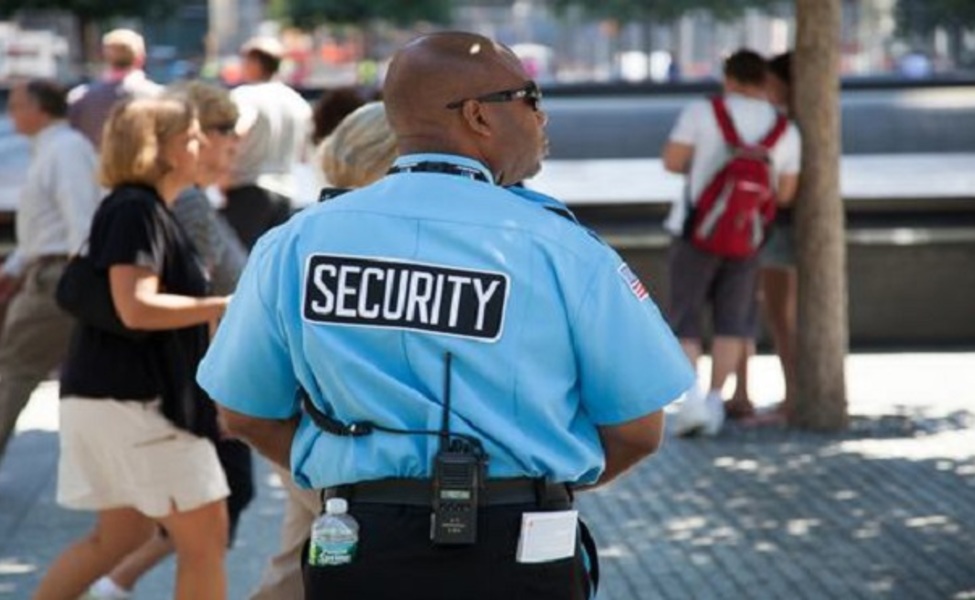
x=476 y=118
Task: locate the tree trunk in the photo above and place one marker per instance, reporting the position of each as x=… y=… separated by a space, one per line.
x=823 y=324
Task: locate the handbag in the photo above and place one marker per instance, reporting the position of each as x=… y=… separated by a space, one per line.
x=84 y=293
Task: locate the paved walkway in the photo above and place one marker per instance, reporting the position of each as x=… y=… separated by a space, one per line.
x=884 y=510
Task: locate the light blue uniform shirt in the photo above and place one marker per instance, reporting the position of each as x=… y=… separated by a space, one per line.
x=359 y=298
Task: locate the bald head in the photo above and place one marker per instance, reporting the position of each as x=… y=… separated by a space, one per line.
x=437 y=69
x=462 y=93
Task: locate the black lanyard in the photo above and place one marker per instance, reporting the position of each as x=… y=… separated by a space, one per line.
x=441 y=167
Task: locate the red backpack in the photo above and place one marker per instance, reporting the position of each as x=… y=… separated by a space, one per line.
x=733 y=213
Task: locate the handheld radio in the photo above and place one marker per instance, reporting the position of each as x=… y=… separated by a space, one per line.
x=459 y=469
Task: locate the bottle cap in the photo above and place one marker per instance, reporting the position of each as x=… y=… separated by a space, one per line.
x=336 y=506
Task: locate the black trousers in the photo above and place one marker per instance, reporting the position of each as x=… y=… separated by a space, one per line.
x=238 y=465
x=397 y=561
x=252 y=210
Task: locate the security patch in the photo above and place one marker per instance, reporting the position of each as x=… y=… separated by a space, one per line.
x=357 y=291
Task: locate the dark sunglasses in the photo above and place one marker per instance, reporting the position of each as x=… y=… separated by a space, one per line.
x=223 y=129
x=531 y=94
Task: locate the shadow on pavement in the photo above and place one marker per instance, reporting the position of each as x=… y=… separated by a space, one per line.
x=883 y=510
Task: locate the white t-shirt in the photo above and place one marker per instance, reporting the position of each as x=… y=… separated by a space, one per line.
x=697 y=126
x=276 y=122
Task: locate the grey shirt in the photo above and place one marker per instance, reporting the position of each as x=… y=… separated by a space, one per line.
x=216 y=243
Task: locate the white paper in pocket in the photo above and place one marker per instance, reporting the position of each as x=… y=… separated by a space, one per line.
x=547 y=536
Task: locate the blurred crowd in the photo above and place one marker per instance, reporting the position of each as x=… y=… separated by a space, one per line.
x=164 y=191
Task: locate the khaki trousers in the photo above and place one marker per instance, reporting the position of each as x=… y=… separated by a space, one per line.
x=34 y=341
x=282 y=576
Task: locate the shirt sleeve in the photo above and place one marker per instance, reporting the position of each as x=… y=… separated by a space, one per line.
x=248 y=366
x=129 y=233
x=76 y=190
x=630 y=363
x=686 y=129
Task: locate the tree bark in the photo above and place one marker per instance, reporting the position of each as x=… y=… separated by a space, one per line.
x=823 y=330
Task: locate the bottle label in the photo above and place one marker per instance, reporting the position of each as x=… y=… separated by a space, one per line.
x=323 y=553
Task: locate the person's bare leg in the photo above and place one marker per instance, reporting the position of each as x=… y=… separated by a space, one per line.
x=780 y=287
x=740 y=405
x=692 y=348
x=127 y=573
x=117 y=532
x=726 y=352
x=200 y=539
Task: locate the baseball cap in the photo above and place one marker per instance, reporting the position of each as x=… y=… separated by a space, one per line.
x=265 y=45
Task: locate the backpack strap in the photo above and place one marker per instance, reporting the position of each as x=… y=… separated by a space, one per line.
x=778 y=129
x=731 y=134
x=724 y=121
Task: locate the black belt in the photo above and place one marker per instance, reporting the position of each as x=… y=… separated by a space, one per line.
x=419 y=492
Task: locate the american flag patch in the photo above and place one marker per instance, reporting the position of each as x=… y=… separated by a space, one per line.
x=633 y=282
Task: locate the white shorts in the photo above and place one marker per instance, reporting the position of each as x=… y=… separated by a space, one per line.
x=117 y=454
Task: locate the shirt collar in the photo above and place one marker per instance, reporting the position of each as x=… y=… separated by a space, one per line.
x=42 y=137
x=453 y=159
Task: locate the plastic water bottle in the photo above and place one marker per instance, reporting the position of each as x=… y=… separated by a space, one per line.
x=334 y=536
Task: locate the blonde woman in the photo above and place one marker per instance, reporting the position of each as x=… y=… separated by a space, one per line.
x=360 y=150
x=223 y=257
x=132 y=419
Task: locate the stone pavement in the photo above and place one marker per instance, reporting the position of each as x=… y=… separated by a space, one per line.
x=884 y=510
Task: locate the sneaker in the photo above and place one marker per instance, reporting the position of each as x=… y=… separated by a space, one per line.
x=106 y=589
x=699 y=414
x=716 y=414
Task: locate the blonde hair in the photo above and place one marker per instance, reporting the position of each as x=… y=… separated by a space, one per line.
x=361 y=149
x=128 y=47
x=134 y=136
x=212 y=103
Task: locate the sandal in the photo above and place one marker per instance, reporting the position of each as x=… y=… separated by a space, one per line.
x=736 y=409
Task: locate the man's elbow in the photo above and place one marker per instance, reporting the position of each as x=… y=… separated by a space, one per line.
x=638 y=438
x=646 y=445
x=239 y=425
x=674 y=166
x=676 y=158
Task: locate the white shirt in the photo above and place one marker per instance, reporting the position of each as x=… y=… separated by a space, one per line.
x=275 y=122
x=58 y=198
x=697 y=126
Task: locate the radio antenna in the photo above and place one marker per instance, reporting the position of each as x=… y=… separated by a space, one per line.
x=445 y=421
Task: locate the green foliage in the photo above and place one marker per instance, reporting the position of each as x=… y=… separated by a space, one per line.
x=95 y=10
x=660 y=10
x=924 y=16
x=310 y=13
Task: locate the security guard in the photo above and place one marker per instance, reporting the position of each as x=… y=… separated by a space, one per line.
x=468 y=354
